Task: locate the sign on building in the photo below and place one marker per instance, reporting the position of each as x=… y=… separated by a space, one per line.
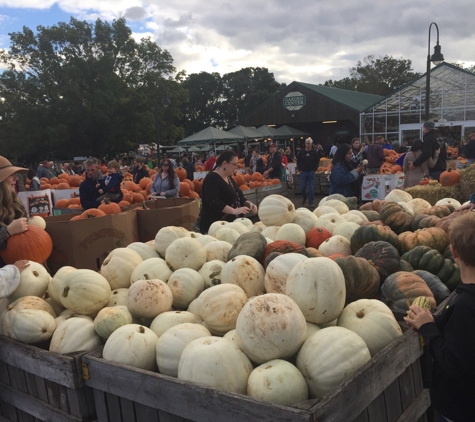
x=294 y=101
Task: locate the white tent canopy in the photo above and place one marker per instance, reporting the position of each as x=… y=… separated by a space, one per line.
x=209 y=135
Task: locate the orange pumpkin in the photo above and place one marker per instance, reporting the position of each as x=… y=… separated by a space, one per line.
x=257 y=177
x=62 y=203
x=54 y=180
x=449 y=177
x=63 y=176
x=239 y=179
x=181 y=173
x=74 y=181
x=34 y=244
x=63 y=185
x=184 y=189
x=137 y=197
x=124 y=204
x=93 y=213
x=316 y=236
x=198 y=185
x=130 y=186
x=244 y=187
x=144 y=182
x=109 y=207
x=75 y=201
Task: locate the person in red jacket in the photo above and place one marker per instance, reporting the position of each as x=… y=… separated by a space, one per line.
x=210 y=162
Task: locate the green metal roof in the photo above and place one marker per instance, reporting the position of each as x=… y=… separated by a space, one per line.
x=358 y=101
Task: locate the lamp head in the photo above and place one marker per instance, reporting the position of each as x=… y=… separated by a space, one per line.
x=166 y=101
x=437 y=57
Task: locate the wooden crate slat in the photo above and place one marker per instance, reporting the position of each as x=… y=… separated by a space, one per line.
x=17 y=378
x=113 y=407
x=146 y=413
x=407 y=387
x=41 y=389
x=358 y=391
x=197 y=403
x=167 y=417
x=53 y=392
x=362 y=417
x=101 y=406
x=52 y=366
x=31 y=385
x=4 y=373
x=2 y=419
x=33 y=406
x=392 y=397
x=81 y=402
x=24 y=417
x=377 y=410
x=417 y=408
x=127 y=410
x=8 y=410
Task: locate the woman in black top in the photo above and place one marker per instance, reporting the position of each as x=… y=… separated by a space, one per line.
x=221 y=198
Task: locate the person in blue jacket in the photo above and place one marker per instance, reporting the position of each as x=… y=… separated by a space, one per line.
x=343 y=176
x=110 y=186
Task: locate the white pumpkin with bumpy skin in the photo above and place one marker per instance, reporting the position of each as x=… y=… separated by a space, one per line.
x=269 y=327
x=186 y=285
x=322 y=210
x=110 y=319
x=185 y=253
x=355 y=216
x=211 y=272
x=171 y=344
x=279 y=269
x=305 y=219
x=406 y=208
x=240 y=228
x=217 y=250
x=221 y=365
x=373 y=321
x=335 y=245
x=318 y=287
x=74 y=335
x=166 y=236
x=151 y=269
x=291 y=232
x=32 y=326
x=34 y=281
x=132 y=345
x=149 y=298
x=246 y=221
x=340 y=353
x=279 y=382
x=145 y=251
x=276 y=210
x=118 y=267
x=169 y=319
x=84 y=291
x=245 y=272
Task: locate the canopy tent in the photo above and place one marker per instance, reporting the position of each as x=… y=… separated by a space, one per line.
x=194 y=148
x=225 y=146
x=271 y=132
x=292 y=132
x=246 y=132
x=209 y=135
x=177 y=149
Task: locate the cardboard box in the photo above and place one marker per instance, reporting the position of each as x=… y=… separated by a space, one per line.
x=181 y=212
x=86 y=243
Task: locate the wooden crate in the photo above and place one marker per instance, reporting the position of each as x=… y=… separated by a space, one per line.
x=386 y=389
x=38 y=385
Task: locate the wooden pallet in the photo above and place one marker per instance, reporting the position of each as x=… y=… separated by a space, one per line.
x=386 y=389
x=38 y=385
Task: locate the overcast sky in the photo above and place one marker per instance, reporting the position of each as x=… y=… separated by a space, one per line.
x=307 y=40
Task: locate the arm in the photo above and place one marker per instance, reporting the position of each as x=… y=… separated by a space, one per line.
x=341 y=176
x=114 y=182
x=86 y=201
x=426 y=153
x=431 y=161
x=9 y=280
x=405 y=164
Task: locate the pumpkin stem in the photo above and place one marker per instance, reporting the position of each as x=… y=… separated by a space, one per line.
x=43 y=330
x=35 y=273
x=65 y=291
x=146 y=276
x=106 y=200
x=360 y=314
x=141 y=329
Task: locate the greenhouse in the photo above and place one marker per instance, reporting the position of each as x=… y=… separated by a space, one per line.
x=400 y=115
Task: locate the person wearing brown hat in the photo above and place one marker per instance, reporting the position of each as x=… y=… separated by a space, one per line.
x=12 y=212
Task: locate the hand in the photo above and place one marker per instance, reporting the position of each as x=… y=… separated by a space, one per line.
x=411 y=166
x=97 y=185
x=241 y=210
x=162 y=193
x=18 y=226
x=101 y=191
x=252 y=207
x=359 y=168
x=22 y=264
x=419 y=317
x=466 y=207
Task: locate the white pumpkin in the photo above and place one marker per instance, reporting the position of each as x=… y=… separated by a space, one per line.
x=84 y=291
x=277 y=381
x=328 y=198
x=245 y=272
x=55 y=283
x=221 y=365
x=185 y=253
x=406 y=208
x=398 y=195
x=449 y=201
x=110 y=319
x=118 y=297
x=151 y=269
x=132 y=345
x=270 y=326
x=340 y=206
x=346 y=229
x=329 y=221
x=270 y=231
x=195 y=235
x=336 y=244
x=217 y=250
x=306 y=220
x=211 y=272
x=317 y=285
x=240 y=228
x=74 y=335
x=214 y=227
x=218 y=307
x=340 y=353
x=33 y=326
x=166 y=320
x=355 y=216
x=171 y=344
x=166 y=235
x=373 y=321
x=57 y=307
x=67 y=314
x=118 y=267
x=149 y=298
x=419 y=205
x=34 y=281
x=291 y=232
x=276 y=210
x=246 y=221
x=205 y=239
x=279 y=269
x=323 y=209
x=231 y=336
x=269 y=240
x=311 y=329
x=145 y=251
x=186 y=285
x=226 y=234
x=37 y=221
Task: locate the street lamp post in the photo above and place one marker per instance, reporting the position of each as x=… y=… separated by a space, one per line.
x=436 y=58
x=165 y=103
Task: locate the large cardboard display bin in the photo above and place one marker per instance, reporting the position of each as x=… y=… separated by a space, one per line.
x=36 y=384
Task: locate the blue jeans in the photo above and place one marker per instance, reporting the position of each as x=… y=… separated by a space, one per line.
x=307 y=178
x=435 y=175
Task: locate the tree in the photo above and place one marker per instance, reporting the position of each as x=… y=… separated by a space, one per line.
x=377 y=76
x=83 y=89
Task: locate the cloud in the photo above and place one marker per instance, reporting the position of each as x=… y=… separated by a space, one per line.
x=135 y=13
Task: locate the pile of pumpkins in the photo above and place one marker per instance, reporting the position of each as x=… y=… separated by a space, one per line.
x=281 y=310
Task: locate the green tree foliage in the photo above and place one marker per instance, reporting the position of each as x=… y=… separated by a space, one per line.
x=84 y=89
x=380 y=76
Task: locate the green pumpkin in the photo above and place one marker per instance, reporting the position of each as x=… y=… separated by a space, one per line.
x=440 y=210
x=373 y=233
x=394 y=216
x=439 y=289
x=371 y=215
x=252 y=244
x=424 y=258
x=383 y=256
x=424 y=221
x=405 y=266
x=361 y=278
x=449 y=273
x=447 y=254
